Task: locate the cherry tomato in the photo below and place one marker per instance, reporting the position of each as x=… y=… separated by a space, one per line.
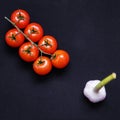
x=60 y=59
x=14 y=38
x=28 y=52
x=34 y=31
x=21 y=18
x=48 y=44
x=42 y=65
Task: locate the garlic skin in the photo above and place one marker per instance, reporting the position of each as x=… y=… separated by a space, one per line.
x=91 y=94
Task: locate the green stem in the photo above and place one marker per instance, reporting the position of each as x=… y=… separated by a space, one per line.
x=20 y=30
x=105 y=81
x=41 y=55
x=25 y=35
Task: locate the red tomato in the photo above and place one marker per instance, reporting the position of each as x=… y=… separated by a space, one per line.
x=14 y=38
x=42 y=65
x=60 y=59
x=48 y=44
x=34 y=31
x=21 y=18
x=28 y=52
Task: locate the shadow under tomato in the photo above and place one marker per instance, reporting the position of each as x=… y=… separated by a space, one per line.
x=42 y=78
x=53 y=74
x=64 y=71
x=10 y=51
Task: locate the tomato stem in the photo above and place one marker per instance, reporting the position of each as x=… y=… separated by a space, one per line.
x=41 y=56
x=20 y=17
x=53 y=56
x=40 y=62
x=12 y=37
x=33 y=31
x=46 y=43
x=25 y=35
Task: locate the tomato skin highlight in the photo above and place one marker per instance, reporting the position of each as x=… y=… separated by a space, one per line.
x=28 y=52
x=34 y=31
x=13 y=38
x=21 y=18
x=42 y=65
x=60 y=59
x=48 y=44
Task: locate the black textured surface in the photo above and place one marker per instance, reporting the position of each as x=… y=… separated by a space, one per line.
x=90 y=31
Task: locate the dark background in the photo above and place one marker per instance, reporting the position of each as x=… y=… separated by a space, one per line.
x=90 y=31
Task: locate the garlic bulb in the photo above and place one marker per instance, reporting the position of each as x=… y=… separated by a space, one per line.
x=93 y=95
x=95 y=89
